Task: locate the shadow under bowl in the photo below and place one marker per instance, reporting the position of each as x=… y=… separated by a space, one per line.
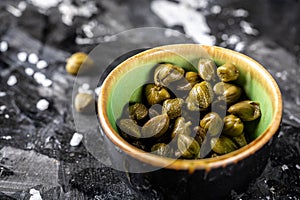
x=209 y=178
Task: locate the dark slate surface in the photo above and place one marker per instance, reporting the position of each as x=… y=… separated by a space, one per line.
x=34 y=145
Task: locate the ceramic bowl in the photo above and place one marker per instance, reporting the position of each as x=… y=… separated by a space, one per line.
x=210 y=178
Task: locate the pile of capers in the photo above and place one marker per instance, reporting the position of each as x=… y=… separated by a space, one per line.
x=176 y=119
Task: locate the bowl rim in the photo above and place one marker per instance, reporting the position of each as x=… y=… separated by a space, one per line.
x=190 y=165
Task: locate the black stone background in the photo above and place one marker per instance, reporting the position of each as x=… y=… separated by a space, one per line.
x=39 y=156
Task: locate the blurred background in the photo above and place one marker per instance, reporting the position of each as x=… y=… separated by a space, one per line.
x=36 y=122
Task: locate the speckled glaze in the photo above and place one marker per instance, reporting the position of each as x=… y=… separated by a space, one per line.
x=211 y=178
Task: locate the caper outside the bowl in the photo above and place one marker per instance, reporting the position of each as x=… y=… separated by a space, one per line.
x=84 y=103
x=77 y=61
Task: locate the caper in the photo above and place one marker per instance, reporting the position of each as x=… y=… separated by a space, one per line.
x=84 y=103
x=228 y=92
x=181 y=127
x=173 y=107
x=156 y=126
x=161 y=149
x=206 y=68
x=188 y=147
x=191 y=78
x=156 y=94
x=200 y=134
x=129 y=127
x=138 y=111
x=228 y=72
x=167 y=73
x=212 y=124
x=240 y=140
x=233 y=126
x=222 y=145
x=200 y=96
x=78 y=60
x=246 y=110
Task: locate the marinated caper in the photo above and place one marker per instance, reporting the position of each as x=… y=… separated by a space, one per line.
x=246 y=110
x=84 y=103
x=156 y=94
x=233 y=126
x=156 y=126
x=240 y=140
x=212 y=124
x=188 y=147
x=191 y=78
x=129 y=127
x=206 y=68
x=161 y=149
x=200 y=134
x=181 y=127
x=77 y=61
x=222 y=145
x=167 y=73
x=228 y=92
x=138 y=111
x=228 y=72
x=172 y=107
x=200 y=96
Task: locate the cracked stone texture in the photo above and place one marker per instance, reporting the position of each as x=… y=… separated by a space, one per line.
x=43 y=137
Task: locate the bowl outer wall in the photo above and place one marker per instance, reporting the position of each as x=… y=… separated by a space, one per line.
x=220 y=55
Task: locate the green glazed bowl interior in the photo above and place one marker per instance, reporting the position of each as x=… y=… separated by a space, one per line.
x=125 y=81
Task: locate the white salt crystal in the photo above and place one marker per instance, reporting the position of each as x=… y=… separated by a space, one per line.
x=35 y=194
x=85 y=88
x=33 y=58
x=39 y=77
x=97 y=91
x=29 y=71
x=240 y=46
x=3 y=46
x=240 y=13
x=41 y=64
x=42 y=104
x=22 y=5
x=297 y=166
x=6 y=116
x=8 y=137
x=284 y=167
x=22 y=56
x=14 y=11
x=2 y=108
x=247 y=28
x=233 y=39
x=47 y=83
x=76 y=139
x=12 y=80
x=216 y=9
x=2 y=94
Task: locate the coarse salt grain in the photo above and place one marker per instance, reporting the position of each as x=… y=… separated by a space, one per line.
x=22 y=56
x=39 y=77
x=35 y=194
x=76 y=139
x=33 y=58
x=29 y=71
x=97 y=90
x=47 y=83
x=2 y=108
x=2 y=94
x=41 y=64
x=8 y=137
x=216 y=9
x=3 y=46
x=42 y=104
x=6 y=116
x=284 y=167
x=12 y=80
